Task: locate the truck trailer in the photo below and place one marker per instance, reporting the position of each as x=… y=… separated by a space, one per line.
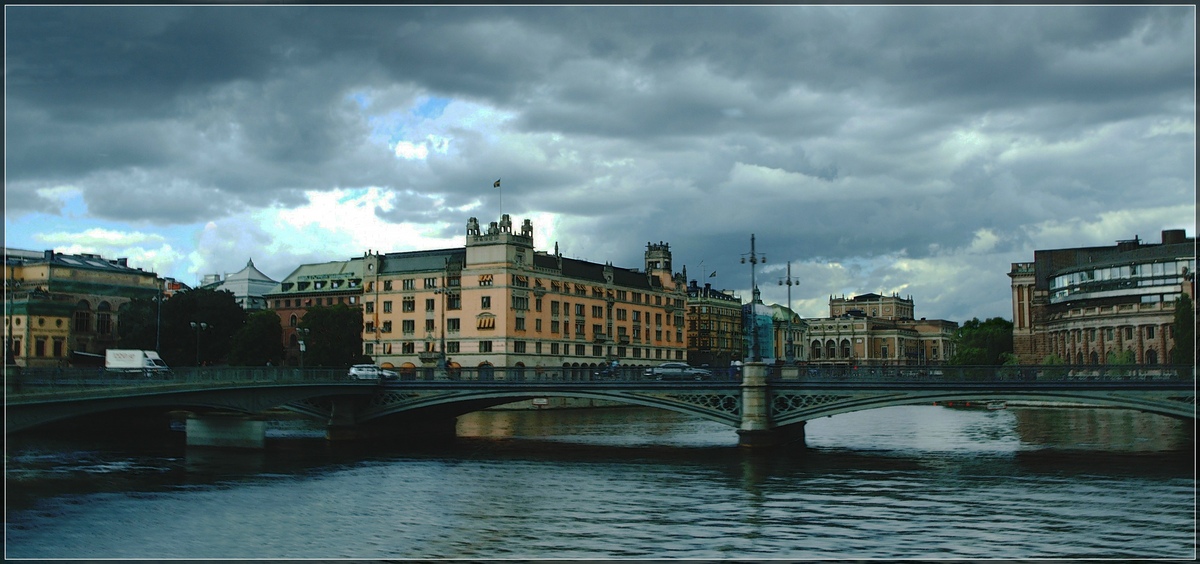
x=134 y=360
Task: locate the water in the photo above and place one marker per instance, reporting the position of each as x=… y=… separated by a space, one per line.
x=906 y=482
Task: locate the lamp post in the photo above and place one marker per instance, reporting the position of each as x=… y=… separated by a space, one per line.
x=446 y=294
x=789 y=352
x=198 y=327
x=754 y=258
x=303 y=332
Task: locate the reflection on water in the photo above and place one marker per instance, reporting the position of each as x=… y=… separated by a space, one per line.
x=911 y=482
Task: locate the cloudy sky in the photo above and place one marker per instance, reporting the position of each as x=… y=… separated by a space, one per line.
x=915 y=150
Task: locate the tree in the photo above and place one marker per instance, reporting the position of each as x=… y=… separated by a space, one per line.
x=137 y=325
x=1184 y=326
x=185 y=345
x=982 y=342
x=259 y=341
x=334 y=337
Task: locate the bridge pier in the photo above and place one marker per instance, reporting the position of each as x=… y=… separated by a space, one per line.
x=226 y=430
x=757 y=429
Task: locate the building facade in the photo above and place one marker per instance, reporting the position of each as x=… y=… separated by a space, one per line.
x=871 y=329
x=65 y=309
x=1094 y=305
x=311 y=285
x=498 y=302
x=714 y=333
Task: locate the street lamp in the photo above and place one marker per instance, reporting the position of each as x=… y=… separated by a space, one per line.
x=789 y=352
x=303 y=332
x=754 y=258
x=198 y=327
x=446 y=294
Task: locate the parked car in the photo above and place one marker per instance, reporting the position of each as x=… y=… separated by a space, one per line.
x=677 y=371
x=371 y=372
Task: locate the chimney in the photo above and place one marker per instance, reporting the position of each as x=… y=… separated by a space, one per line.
x=1174 y=236
x=49 y=255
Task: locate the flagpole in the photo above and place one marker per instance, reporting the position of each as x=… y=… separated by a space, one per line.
x=500 y=197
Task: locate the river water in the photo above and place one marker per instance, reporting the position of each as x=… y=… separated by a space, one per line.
x=918 y=482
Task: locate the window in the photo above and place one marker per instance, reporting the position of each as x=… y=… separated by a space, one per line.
x=485 y=302
x=520 y=281
x=580 y=350
x=637 y=316
x=597 y=311
x=485 y=279
x=1150 y=330
x=1129 y=332
x=369 y=307
x=553 y=326
x=452 y=346
x=292 y=321
x=579 y=310
x=537 y=325
x=409 y=284
x=553 y=307
x=409 y=304
x=597 y=350
x=103 y=324
x=553 y=348
x=453 y=325
x=429 y=304
x=387 y=306
x=520 y=323
x=409 y=326
x=521 y=303
x=408 y=347
x=454 y=302
x=485 y=346
x=429 y=325
x=369 y=348
x=387 y=285
x=597 y=330
x=387 y=326
x=430 y=283
x=537 y=304
x=518 y=346
x=621 y=314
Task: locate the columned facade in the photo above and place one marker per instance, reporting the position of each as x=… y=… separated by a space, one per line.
x=1102 y=305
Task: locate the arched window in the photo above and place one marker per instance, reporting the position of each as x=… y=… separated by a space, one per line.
x=83 y=317
x=104 y=324
x=292 y=321
x=1095 y=357
x=1079 y=358
x=1151 y=356
x=816 y=350
x=830 y=349
x=845 y=348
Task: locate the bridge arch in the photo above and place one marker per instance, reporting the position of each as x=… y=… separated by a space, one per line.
x=789 y=407
x=714 y=406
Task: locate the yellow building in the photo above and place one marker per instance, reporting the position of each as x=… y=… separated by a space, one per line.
x=59 y=305
x=498 y=302
x=872 y=329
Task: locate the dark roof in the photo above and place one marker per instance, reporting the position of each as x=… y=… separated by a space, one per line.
x=86 y=261
x=594 y=272
x=419 y=261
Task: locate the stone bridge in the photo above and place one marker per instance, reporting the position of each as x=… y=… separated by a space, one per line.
x=767 y=405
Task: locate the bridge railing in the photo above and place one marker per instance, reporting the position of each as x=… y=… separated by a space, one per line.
x=59 y=380
x=1006 y=373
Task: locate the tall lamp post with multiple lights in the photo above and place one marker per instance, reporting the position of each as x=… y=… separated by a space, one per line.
x=789 y=352
x=447 y=294
x=753 y=258
x=198 y=327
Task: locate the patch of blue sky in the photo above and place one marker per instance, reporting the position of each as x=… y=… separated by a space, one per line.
x=431 y=107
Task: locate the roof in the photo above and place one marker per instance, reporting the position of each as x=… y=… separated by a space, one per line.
x=86 y=261
x=594 y=272
x=421 y=261
x=342 y=275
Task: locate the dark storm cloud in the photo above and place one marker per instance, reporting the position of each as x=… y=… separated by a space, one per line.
x=832 y=132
